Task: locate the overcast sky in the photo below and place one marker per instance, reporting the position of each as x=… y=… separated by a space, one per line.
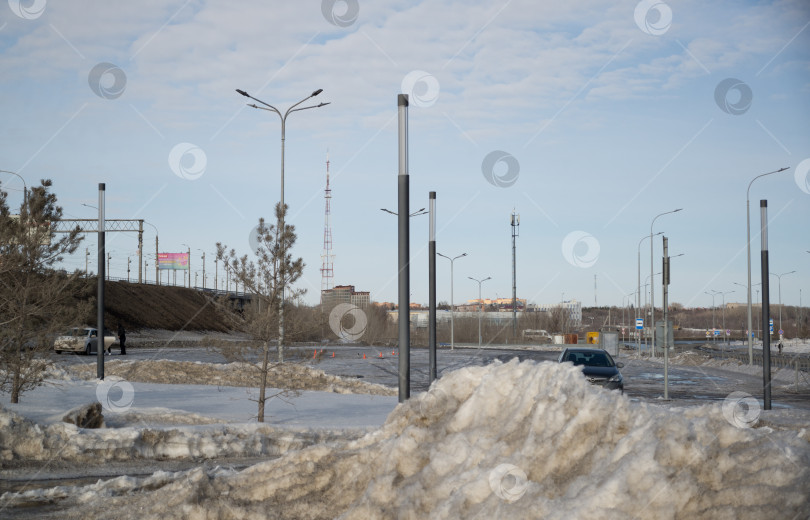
x=588 y=118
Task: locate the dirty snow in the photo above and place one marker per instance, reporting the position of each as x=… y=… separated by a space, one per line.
x=280 y=375
x=514 y=440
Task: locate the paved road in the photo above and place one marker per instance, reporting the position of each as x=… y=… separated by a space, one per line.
x=644 y=378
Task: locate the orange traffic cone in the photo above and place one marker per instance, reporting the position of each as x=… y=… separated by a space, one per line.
x=315 y=354
x=333 y=354
x=364 y=356
x=380 y=354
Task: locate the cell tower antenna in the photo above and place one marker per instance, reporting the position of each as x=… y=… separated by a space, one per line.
x=327 y=257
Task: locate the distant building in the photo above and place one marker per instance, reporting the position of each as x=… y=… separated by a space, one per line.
x=344 y=294
x=574 y=308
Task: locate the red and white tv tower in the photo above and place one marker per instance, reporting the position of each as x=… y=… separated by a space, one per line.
x=327 y=269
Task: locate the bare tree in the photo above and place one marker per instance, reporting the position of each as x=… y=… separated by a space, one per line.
x=263 y=279
x=36 y=301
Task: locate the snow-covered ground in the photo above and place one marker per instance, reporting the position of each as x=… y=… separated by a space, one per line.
x=504 y=440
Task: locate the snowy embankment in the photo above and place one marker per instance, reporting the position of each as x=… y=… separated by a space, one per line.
x=515 y=440
x=280 y=375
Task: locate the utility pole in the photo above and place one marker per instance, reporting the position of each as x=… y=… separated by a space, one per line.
x=766 y=308
x=100 y=295
x=515 y=222
x=128 y=262
x=203 y=276
x=109 y=257
x=432 y=287
x=403 y=188
x=86 y=262
x=665 y=339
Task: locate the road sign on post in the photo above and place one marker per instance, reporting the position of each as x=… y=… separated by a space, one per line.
x=639 y=323
x=771 y=326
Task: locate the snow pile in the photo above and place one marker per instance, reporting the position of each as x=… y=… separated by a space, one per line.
x=26 y=441
x=290 y=376
x=515 y=440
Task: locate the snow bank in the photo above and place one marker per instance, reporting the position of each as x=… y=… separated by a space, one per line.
x=24 y=440
x=281 y=375
x=515 y=440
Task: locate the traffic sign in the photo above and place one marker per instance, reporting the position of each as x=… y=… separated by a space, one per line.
x=781 y=332
x=771 y=325
x=639 y=323
x=728 y=332
x=716 y=332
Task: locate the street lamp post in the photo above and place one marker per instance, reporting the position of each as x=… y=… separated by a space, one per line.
x=779 y=278
x=480 y=303
x=748 y=250
x=157 y=249
x=638 y=299
x=712 y=294
x=452 y=306
x=280 y=227
x=723 y=294
x=652 y=281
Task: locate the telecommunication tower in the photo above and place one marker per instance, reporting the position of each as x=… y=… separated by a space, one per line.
x=327 y=257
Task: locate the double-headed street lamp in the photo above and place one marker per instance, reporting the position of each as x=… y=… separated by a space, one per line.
x=280 y=228
x=481 y=303
x=452 y=306
x=779 y=278
x=748 y=249
x=652 y=279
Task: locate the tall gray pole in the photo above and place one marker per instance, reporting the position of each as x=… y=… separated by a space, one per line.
x=748 y=250
x=481 y=305
x=766 y=309
x=140 y=251
x=404 y=254
x=100 y=296
x=432 y=287
x=665 y=291
x=652 y=280
x=515 y=222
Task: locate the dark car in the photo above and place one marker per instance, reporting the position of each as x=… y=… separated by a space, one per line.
x=597 y=365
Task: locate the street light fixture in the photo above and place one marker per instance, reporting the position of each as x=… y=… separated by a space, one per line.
x=452 y=306
x=282 y=281
x=652 y=281
x=480 y=303
x=416 y=213
x=25 y=190
x=748 y=249
x=779 y=278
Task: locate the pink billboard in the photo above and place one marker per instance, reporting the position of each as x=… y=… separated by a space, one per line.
x=176 y=261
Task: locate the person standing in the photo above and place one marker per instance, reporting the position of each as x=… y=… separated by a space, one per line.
x=122 y=339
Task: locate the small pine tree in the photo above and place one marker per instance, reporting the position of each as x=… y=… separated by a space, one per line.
x=37 y=302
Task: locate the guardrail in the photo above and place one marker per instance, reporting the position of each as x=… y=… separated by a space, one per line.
x=798 y=361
